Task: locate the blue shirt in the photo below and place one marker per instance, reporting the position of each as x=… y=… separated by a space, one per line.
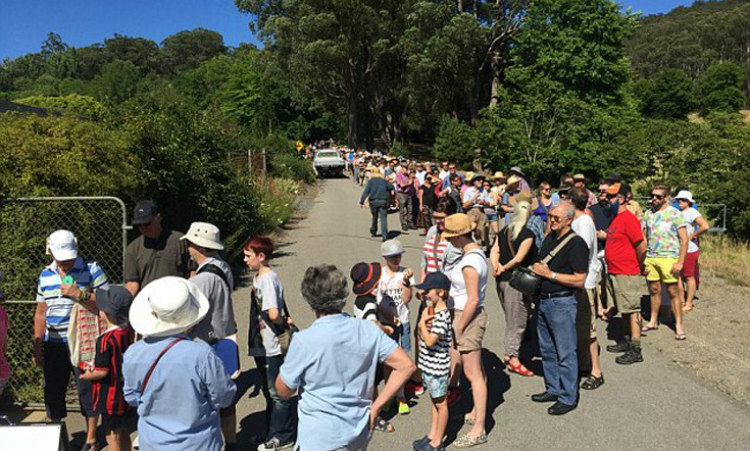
x=179 y=409
x=332 y=363
x=88 y=276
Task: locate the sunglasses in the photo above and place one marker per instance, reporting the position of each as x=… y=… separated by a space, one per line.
x=657 y=196
x=555 y=218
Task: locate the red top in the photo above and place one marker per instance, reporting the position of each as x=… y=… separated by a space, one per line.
x=107 y=393
x=623 y=236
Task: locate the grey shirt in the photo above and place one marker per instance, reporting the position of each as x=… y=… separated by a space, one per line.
x=219 y=321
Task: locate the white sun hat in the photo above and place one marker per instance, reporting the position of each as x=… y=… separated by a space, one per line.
x=685 y=194
x=204 y=234
x=167 y=306
x=62 y=245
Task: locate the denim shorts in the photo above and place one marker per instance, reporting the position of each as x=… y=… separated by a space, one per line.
x=437 y=385
x=492 y=217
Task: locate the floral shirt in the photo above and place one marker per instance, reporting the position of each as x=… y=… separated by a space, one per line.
x=661 y=232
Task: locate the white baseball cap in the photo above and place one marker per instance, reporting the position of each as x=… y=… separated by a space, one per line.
x=391 y=248
x=686 y=195
x=205 y=235
x=62 y=245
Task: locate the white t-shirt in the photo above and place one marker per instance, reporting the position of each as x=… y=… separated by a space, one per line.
x=443 y=174
x=584 y=227
x=468 y=194
x=690 y=215
x=389 y=294
x=458 y=297
x=420 y=175
x=270 y=295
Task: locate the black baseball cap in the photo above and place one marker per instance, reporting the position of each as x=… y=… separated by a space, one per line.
x=435 y=280
x=116 y=301
x=144 y=212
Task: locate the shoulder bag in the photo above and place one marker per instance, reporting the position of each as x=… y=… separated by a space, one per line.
x=284 y=331
x=146 y=378
x=523 y=278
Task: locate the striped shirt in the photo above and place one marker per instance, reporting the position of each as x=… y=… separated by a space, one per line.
x=87 y=276
x=110 y=347
x=440 y=259
x=436 y=360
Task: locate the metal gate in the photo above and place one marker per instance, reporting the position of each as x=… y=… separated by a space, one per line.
x=99 y=224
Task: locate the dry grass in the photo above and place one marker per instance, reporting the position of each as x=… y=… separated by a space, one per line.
x=724 y=257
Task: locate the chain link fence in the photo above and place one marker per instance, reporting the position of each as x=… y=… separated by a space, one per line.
x=99 y=224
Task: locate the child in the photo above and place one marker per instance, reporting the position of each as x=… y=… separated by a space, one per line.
x=434 y=355
x=394 y=294
x=269 y=314
x=106 y=374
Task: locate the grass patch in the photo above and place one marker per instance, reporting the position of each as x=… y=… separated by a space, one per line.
x=727 y=258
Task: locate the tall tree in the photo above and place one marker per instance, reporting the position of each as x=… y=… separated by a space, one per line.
x=187 y=49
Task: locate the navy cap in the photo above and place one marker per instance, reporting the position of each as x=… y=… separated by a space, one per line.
x=435 y=280
x=144 y=212
x=116 y=301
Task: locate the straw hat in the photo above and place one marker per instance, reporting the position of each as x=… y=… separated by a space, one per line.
x=458 y=224
x=498 y=175
x=513 y=179
x=168 y=306
x=525 y=196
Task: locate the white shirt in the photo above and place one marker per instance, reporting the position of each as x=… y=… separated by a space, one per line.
x=584 y=227
x=443 y=174
x=458 y=297
x=468 y=194
x=420 y=175
x=690 y=215
x=389 y=294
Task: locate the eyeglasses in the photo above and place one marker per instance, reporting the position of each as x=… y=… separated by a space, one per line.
x=451 y=167
x=612 y=196
x=657 y=196
x=554 y=218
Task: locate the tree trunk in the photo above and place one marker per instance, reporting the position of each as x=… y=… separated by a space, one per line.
x=351 y=115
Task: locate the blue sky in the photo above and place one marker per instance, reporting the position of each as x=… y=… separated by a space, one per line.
x=24 y=24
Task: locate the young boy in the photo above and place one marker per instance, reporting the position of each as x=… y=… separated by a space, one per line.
x=394 y=294
x=435 y=339
x=106 y=374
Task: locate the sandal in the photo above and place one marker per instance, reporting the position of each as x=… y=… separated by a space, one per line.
x=593 y=382
x=680 y=337
x=383 y=425
x=467 y=441
x=648 y=328
x=519 y=369
x=686 y=308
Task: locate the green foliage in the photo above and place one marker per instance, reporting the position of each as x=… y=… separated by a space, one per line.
x=721 y=87
x=117 y=82
x=82 y=106
x=455 y=142
x=187 y=49
x=669 y=95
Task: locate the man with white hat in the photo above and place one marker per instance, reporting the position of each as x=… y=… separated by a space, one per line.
x=171 y=379
x=63 y=283
x=215 y=280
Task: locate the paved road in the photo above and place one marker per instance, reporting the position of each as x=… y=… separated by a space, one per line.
x=653 y=405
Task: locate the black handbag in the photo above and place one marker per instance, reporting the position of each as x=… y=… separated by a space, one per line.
x=524 y=280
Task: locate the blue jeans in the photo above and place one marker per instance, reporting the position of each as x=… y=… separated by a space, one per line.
x=379 y=209
x=281 y=425
x=405 y=339
x=558 y=343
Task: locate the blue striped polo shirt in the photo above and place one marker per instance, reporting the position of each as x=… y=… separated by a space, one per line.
x=87 y=275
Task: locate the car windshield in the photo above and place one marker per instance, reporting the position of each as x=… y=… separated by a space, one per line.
x=329 y=154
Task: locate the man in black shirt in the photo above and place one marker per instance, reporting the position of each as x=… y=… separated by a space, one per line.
x=561 y=276
x=603 y=211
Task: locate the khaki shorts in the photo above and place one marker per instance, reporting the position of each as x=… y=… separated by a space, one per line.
x=586 y=314
x=471 y=338
x=626 y=291
x=660 y=269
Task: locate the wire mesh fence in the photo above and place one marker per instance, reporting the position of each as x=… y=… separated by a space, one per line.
x=99 y=224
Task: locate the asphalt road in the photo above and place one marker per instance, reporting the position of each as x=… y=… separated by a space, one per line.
x=654 y=405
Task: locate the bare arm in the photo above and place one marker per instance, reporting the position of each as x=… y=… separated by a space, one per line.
x=94 y=374
x=402 y=368
x=274 y=316
x=424 y=331
x=702 y=226
x=133 y=287
x=574 y=280
x=283 y=390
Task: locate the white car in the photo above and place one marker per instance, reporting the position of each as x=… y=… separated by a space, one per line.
x=328 y=162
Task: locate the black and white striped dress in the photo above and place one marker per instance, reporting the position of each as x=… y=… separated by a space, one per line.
x=436 y=361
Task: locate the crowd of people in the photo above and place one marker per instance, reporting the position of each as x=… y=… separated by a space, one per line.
x=560 y=262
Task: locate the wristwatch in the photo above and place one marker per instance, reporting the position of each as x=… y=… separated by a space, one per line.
x=553 y=276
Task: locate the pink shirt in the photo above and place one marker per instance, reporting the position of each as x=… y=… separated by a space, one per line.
x=4 y=368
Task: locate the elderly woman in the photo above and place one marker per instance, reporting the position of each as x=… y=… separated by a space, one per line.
x=177 y=384
x=514 y=247
x=468 y=287
x=332 y=363
x=65 y=311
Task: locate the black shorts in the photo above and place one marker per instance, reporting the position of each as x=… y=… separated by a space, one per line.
x=112 y=423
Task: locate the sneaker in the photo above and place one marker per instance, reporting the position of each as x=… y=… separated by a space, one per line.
x=419 y=443
x=414 y=388
x=632 y=355
x=274 y=444
x=621 y=346
x=403 y=407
